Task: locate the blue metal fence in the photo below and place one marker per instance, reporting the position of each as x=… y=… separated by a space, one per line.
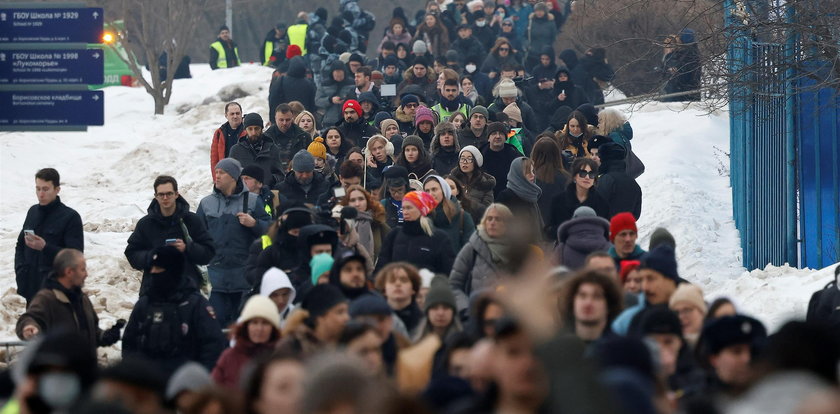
x=784 y=154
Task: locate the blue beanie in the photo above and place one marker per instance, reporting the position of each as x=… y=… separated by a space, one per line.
x=663 y=260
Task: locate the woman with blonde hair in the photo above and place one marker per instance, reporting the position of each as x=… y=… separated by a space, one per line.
x=370 y=222
x=306 y=121
x=448 y=215
x=613 y=124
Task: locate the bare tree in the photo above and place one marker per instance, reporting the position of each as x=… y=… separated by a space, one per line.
x=154 y=28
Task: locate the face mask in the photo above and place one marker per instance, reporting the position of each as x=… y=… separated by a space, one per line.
x=59 y=389
x=470 y=68
x=576 y=135
x=481 y=23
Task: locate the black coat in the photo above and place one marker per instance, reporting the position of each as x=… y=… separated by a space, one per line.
x=445 y=160
x=549 y=191
x=529 y=118
x=357 y=133
x=583 y=74
x=469 y=48
x=619 y=190
x=410 y=244
x=293 y=86
x=284 y=254
x=202 y=339
x=498 y=163
x=267 y=158
x=291 y=189
x=61 y=227
x=288 y=143
x=563 y=207
x=152 y=231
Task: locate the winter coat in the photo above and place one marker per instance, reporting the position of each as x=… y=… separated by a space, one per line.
x=411 y=316
x=154 y=229
x=53 y=309
x=579 y=237
x=224 y=138
x=444 y=159
x=405 y=122
x=267 y=158
x=288 y=144
x=379 y=230
x=544 y=102
x=494 y=63
x=468 y=49
x=575 y=96
x=404 y=38
x=293 y=86
x=620 y=191
x=233 y=361
x=231 y=239
x=541 y=33
x=60 y=227
x=427 y=84
x=524 y=212
x=295 y=192
x=436 y=38
x=478 y=188
x=356 y=133
x=549 y=191
x=466 y=136
x=497 y=164
x=622 y=136
x=472 y=271
x=636 y=254
x=231 y=54
x=588 y=68
x=563 y=207
x=328 y=89
x=410 y=244
x=282 y=253
x=202 y=340
x=459 y=229
x=486 y=35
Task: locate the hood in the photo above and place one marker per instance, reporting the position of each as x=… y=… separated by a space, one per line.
x=370 y=97
x=559 y=117
x=569 y=57
x=181 y=207
x=335 y=275
x=297 y=68
x=400 y=115
x=612 y=157
x=585 y=233
x=274 y=279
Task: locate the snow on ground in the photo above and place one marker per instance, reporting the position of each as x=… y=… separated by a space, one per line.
x=108 y=171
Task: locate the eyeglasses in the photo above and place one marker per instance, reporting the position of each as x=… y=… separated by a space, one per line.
x=165 y=195
x=504 y=49
x=584 y=174
x=507 y=24
x=412 y=105
x=465 y=160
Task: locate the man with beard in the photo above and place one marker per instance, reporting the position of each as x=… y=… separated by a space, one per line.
x=450 y=101
x=498 y=155
x=286 y=135
x=353 y=128
x=171 y=302
x=169 y=222
x=302 y=184
x=257 y=149
x=350 y=275
x=591 y=301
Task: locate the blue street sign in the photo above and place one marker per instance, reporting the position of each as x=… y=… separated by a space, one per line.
x=51 y=108
x=67 y=25
x=51 y=67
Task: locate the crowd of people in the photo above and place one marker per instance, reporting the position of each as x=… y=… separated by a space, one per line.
x=449 y=227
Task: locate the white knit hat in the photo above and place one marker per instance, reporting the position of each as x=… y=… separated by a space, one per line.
x=260 y=307
x=479 y=158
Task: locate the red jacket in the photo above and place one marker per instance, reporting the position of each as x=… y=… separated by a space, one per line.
x=218 y=146
x=233 y=360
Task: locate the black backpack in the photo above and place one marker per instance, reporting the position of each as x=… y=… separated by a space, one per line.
x=824 y=306
x=165 y=327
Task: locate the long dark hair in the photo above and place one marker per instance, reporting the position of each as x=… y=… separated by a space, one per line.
x=547 y=159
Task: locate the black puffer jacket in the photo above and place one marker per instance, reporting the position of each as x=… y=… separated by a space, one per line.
x=61 y=227
x=267 y=158
x=154 y=229
x=563 y=207
x=291 y=189
x=293 y=86
x=409 y=243
x=620 y=191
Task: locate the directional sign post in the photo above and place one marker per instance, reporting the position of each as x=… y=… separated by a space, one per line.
x=58 y=108
x=49 y=25
x=51 y=67
x=46 y=67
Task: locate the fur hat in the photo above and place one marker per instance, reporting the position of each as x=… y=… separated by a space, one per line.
x=477 y=156
x=445 y=127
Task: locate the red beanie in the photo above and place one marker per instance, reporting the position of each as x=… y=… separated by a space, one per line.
x=292 y=51
x=627 y=266
x=621 y=222
x=352 y=104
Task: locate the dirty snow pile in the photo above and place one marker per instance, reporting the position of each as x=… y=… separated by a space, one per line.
x=107 y=175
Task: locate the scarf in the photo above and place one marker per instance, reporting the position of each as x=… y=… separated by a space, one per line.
x=364 y=230
x=452 y=105
x=520 y=186
x=256 y=146
x=499 y=249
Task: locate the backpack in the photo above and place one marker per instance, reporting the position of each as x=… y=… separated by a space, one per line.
x=824 y=306
x=165 y=327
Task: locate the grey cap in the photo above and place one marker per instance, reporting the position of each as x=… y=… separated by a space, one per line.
x=303 y=161
x=231 y=166
x=192 y=376
x=584 y=211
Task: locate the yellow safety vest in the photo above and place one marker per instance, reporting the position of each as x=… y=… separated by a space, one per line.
x=268 y=50
x=221 y=61
x=443 y=114
x=297 y=36
x=266 y=241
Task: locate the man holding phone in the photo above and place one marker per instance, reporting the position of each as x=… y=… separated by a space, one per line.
x=169 y=222
x=49 y=227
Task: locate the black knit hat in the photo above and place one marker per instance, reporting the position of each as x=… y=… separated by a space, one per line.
x=169 y=258
x=497 y=127
x=730 y=330
x=321 y=298
x=254 y=171
x=369 y=305
x=252 y=119
x=440 y=294
x=659 y=320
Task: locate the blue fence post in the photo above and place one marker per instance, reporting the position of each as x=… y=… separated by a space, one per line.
x=791 y=233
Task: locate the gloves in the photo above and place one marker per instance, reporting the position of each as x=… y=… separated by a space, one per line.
x=112 y=335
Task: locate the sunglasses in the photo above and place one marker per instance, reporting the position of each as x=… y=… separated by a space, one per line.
x=584 y=174
x=504 y=49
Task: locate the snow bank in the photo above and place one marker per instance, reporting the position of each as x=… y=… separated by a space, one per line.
x=108 y=171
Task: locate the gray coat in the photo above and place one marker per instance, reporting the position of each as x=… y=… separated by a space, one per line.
x=579 y=237
x=473 y=270
x=323 y=99
x=231 y=239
